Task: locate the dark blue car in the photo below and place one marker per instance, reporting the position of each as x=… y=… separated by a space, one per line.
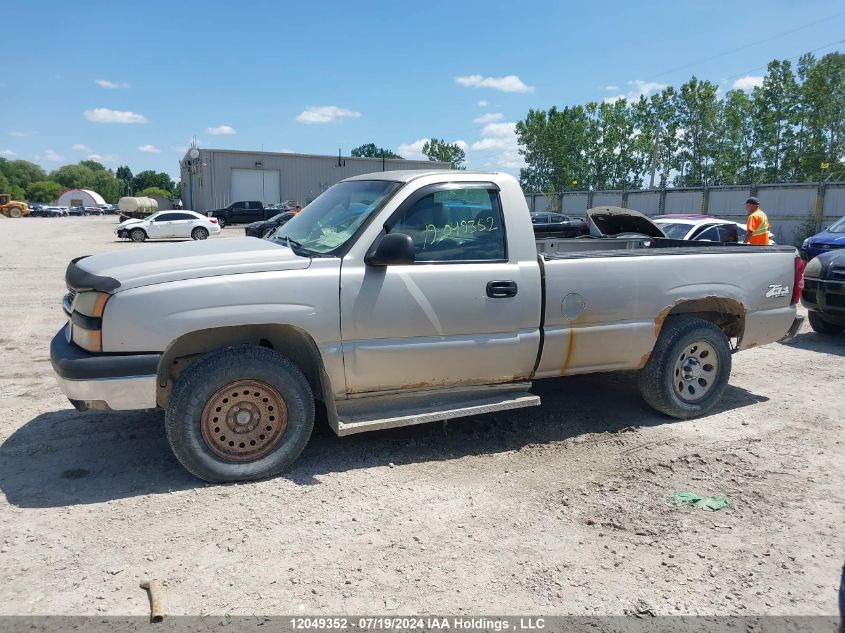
x=831 y=238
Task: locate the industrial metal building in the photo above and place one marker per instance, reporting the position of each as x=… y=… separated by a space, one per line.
x=215 y=178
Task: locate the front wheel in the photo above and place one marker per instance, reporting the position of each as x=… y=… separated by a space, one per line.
x=199 y=233
x=821 y=326
x=688 y=370
x=137 y=235
x=240 y=413
x=15 y=212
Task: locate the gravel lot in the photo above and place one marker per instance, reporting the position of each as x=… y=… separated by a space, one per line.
x=559 y=509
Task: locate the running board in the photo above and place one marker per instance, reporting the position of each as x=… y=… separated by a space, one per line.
x=392 y=411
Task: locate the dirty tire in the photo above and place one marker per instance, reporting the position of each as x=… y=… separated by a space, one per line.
x=137 y=235
x=199 y=233
x=821 y=326
x=668 y=392
x=203 y=381
x=221 y=222
x=15 y=212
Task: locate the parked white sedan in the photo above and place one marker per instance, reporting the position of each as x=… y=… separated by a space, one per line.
x=168 y=224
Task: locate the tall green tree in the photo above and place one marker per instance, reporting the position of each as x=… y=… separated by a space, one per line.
x=656 y=119
x=73 y=176
x=43 y=191
x=554 y=144
x=775 y=109
x=20 y=174
x=124 y=174
x=150 y=178
x=823 y=101
x=437 y=149
x=735 y=149
x=616 y=160
x=697 y=108
x=370 y=150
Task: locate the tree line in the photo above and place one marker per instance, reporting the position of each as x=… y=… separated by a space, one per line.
x=434 y=149
x=28 y=182
x=789 y=129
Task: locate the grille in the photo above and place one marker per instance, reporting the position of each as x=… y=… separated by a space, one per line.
x=809 y=296
x=838 y=274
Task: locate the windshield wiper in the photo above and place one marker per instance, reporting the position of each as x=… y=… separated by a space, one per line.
x=293 y=245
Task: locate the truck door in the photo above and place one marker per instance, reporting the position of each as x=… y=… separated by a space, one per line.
x=464 y=313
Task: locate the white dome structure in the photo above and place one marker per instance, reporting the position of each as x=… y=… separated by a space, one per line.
x=80 y=198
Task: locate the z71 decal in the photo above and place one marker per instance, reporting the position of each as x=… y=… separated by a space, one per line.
x=777 y=290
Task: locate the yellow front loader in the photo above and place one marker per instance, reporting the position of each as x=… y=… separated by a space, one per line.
x=12 y=208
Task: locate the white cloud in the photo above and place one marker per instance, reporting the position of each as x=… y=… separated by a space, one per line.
x=111 y=85
x=104 y=115
x=53 y=156
x=150 y=149
x=638 y=88
x=8 y=152
x=500 y=143
x=489 y=117
x=19 y=134
x=749 y=82
x=325 y=114
x=611 y=88
x=95 y=157
x=509 y=83
x=220 y=129
x=413 y=151
x=483 y=103
x=82 y=147
x=462 y=144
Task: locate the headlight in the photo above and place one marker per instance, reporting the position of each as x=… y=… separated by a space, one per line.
x=813 y=268
x=805 y=243
x=91 y=304
x=86 y=320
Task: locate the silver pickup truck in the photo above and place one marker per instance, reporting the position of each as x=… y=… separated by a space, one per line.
x=400 y=298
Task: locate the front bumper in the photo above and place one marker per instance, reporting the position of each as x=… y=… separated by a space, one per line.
x=104 y=381
x=793 y=330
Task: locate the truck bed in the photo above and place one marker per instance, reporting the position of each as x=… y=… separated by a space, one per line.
x=556 y=248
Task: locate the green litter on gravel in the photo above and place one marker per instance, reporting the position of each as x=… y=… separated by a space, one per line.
x=708 y=503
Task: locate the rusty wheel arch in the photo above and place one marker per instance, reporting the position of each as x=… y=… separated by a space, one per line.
x=293 y=342
x=727 y=314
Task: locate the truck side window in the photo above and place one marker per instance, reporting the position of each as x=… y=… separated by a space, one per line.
x=455 y=225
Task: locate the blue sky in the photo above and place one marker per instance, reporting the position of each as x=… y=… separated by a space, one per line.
x=132 y=83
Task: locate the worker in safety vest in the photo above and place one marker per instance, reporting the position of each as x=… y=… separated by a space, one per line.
x=757 y=226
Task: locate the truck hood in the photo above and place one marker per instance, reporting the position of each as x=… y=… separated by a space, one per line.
x=610 y=221
x=185 y=260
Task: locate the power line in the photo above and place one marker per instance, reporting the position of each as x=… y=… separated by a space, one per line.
x=743 y=74
x=745 y=46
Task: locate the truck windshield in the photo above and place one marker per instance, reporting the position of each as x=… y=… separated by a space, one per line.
x=331 y=220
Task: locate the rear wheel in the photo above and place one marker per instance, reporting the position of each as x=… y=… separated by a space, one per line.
x=199 y=233
x=15 y=212
x=137 y=235
x=222 y=222
x=821 y=326
x=688 y=370
x=240 y=413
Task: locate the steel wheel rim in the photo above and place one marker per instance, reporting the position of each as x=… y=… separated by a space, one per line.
x=244 y=420
x=696 y=371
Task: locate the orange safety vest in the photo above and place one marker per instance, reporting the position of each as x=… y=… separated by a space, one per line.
x=758 y=228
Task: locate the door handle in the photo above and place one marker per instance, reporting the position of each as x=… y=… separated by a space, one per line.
x=499 y=289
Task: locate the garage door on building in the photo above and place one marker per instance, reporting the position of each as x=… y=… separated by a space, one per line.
x=256 y=184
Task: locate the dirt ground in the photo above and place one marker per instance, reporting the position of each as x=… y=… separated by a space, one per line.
x=559 y=509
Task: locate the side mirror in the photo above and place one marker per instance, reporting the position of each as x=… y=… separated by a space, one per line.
x=394 y=249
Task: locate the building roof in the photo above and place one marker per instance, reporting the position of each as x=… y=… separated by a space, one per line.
x=97 y=198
